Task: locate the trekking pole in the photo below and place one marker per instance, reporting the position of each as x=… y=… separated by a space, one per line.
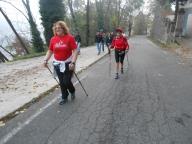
x=127 y=57
x=52 y=73
x=80 y=84
x=110 y=64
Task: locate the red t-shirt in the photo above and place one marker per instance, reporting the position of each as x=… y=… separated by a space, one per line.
x=62 y=46
x=120 y=43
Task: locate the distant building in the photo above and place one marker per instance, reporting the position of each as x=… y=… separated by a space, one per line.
x=164 y=28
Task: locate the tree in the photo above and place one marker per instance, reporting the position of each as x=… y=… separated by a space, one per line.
x=12 y=27
x=3 y=58
x=125 y=10
x=113 y=13
x=35 y=34
x=100 y=14
x=87 y=24
x=18 y=47
x=6 y=50
x=5 y=1
x=140 y=24
x=107 y=16
x=70 y=4
x=130 y=24
x=160 y=8
x=51 y=11
x=36 y=38
x=177 y=3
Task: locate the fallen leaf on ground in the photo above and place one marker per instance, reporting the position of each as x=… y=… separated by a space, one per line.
x=22 y=111
x=2 y=124
x=16 y=113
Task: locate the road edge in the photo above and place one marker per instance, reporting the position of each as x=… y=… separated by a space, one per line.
x=17 y=111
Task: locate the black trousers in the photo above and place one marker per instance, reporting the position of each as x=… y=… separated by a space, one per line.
x=65 y=80
x=108 y=44
x=119 y=56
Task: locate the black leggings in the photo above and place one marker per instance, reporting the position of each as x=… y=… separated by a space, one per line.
x=65 y=80
x=119 y=56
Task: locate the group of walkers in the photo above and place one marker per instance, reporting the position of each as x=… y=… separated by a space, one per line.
x=102 y=39
x=65 y=49
x=118 y=42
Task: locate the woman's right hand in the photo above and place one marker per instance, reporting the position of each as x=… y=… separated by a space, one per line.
x=47 y=57
x=45 y=63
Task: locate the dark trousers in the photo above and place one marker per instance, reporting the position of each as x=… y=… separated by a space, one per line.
x=65 y=81
x=103 y=45
x=119 y=56
x=108 y=44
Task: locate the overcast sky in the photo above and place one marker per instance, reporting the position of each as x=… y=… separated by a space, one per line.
x=18 y=20
x=16 y=17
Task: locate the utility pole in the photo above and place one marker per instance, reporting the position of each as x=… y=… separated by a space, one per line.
x=12 y=27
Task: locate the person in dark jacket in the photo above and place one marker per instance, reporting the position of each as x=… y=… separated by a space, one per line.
x=112 y=36
x=120 y=44
x=103 y=41
x=78 y=42
x=108 y=42
x=98 y=42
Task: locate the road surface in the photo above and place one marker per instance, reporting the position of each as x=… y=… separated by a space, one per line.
x=151 y=103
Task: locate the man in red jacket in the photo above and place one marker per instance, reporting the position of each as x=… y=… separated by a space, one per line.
x=120 y=44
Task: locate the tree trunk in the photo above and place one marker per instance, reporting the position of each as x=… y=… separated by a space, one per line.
x=176 y=15
x=15 y=8
x=3 y=58
x=27 y=7
x=118 y=12
x=130 y=26
x=87 y=21
x=107 y=12
x=36 y=38
x=12 y=27
x=6 y=50
x=70 y=4
x=100 y=14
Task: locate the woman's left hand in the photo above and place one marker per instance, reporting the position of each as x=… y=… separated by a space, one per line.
x=72 y=66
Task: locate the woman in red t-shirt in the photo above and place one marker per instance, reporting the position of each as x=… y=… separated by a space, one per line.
x=64 y=49
x=120 y=45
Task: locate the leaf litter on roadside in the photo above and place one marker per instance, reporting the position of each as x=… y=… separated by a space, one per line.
x=2 y=124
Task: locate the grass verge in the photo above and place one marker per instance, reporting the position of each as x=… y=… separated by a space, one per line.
x=32 y=55
x=168 y=46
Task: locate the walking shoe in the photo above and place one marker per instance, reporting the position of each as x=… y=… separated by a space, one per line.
x=122 y=71
x=72 y=96
x=116 y=76
x=63 y=101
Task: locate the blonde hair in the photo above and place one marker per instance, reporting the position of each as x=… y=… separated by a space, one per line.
x=63 y=25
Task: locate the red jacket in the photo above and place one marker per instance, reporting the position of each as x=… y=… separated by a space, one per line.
x=120 y=43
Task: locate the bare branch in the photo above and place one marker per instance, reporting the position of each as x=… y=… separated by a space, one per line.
x=15 y=8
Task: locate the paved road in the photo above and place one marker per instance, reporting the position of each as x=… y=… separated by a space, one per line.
x=149 y=104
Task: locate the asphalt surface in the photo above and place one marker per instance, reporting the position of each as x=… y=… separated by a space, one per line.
x=149 y=104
